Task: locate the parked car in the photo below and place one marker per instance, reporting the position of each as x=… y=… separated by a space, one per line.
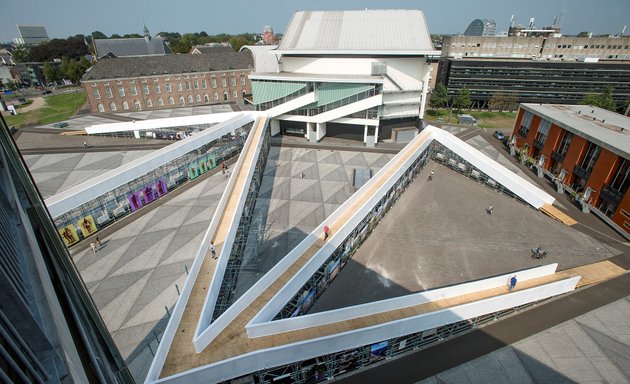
x=46 y=92
x=499 y=135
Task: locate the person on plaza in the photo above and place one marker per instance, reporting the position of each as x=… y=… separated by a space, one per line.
x=431 y=175
x=512 y=283
x=490 y=209
x=85 y=145
x=98 y=241
x=326 y=232
x=213 y=250
x=93 y=246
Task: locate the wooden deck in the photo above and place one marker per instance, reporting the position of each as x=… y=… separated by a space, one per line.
x=233 y=340
x=557 y=214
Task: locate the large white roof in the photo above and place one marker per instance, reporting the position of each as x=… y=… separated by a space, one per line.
x=387 y=32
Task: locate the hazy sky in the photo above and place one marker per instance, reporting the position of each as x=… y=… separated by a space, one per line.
x=63 y=18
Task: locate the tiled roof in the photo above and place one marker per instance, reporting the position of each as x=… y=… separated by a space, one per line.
x=131 y=47
x=131 y=67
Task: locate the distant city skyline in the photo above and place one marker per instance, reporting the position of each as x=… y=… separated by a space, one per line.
x=72 y=17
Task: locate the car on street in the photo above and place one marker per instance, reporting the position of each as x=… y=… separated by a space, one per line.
x=46 y=92
x=499 y=135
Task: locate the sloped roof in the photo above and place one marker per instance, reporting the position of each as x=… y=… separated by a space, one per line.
x=264 y=62
x=131 y=67
x=136 y=46
x=208 y=50
x=392 y=31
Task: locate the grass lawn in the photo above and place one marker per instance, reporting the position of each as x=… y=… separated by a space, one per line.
x=486 y=119
x=56 y=108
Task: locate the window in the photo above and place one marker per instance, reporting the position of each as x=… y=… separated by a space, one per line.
x=213 y=82
x=158 y=89
x=592 y=153
x=125 y=105
x=196 y=84
x=216 y=96
x=96 y=93
x=190 y=99
x=206 y=99
x=233 y=81
x=234 y=94
x=224 y=82
x=137 y=105
x=145 y=89
x=160 y=102
x=148 y=103
x=100 y=107
x=188 y=85
x=198 y=98
x=527 y=121
x=121 y=91
x=171 y=101
x=543 y=132
x=112 y=107
x=181 y=101
x=563 y=148
x=179 y=87
x=204 y=84
x=168 y=87
x=109 y=93
x=225 y=95
x=243 y=80
x=621 y=180
x=134 y=90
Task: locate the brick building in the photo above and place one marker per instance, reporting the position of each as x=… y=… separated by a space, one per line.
x=169 y=81
x=585 y=148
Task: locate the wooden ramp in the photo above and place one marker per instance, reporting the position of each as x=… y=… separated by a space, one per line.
x=557 y=214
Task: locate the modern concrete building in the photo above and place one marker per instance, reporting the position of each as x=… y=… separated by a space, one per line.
x=358 y=72
x=50 y=329
x=481 y=27
x=167 y=81
x=585 y=150
x=31 y=35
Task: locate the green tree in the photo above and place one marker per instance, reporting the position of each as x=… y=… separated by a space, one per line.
x=180 y=47
x=439 y=96
x=463 y=99
x=99 y=35
x=583 y=34
x=20 y=55
x=603 y=100
x=51 y=73
x=237 y=42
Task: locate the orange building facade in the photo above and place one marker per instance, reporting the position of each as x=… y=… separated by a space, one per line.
x=586 y=148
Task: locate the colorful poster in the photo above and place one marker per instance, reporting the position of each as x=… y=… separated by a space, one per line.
x=193 y=170
x=308 y=301
x=147 y=192
x=69 y=234
x=135 y=202
x=202 y=166
x=211 y=162
x=378 y=351
x=161 y=188
x=87 y=225
x=332 y=269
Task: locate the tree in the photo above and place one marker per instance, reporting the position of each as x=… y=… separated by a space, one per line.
x=20 y=55
x=237 y=42
x=603 y=100
x=583 y=34
x=51 y=73
x=501 y=101
x=439 y=96
x=98 y=35
x=463 y=99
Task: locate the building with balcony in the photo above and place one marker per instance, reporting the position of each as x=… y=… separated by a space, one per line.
x=584 y=148
x=360 y=73
x=167 y=81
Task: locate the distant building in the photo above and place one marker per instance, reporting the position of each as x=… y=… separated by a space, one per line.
x=31 y=35
x=268 y=37
x=481 y=27
x=132 y=47
x=5 y=57
x=211 y=49
x=586 y=149
x=168 y=81
x=31 y=74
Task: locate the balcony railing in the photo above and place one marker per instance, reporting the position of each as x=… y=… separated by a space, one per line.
x=581 y=172
x=539 y=144
x=610 y=194
x=557 y=157
x=522 y=132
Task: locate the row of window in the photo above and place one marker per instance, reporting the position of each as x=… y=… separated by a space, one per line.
x=594 y=46
x=182 y=101
x=158 y=89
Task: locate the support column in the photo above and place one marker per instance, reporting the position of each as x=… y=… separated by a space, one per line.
x=425 y=89
x=310 y=132
x=321 y=131
x=376 y=134
x=365 y=133
x=274 y=126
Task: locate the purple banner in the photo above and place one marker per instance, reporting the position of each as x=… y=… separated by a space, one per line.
x=161 y=188
x=148 y=194
x=135 y=202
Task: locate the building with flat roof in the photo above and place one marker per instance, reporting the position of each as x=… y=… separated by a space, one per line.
x=167 y=81
x=31 y=35
x=481 y=27
x=352 y=71
x=585 y=150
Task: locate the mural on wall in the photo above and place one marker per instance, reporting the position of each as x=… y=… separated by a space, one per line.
x=135 y=202
x=68 y=234
x=87 y=225
x=148 y=194
x=161 y=188
x=193 y=170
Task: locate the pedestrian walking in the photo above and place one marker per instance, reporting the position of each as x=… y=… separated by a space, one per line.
x=490 y=209
x=431 y=175
x=326 y=232
x=512 y=283
x=213 y=250
x=93 y=246
x=84 y=144
x=302 y=174
x=227 y=173
x=98 y=241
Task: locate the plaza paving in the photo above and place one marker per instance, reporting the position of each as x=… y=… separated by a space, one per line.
x=132 y=277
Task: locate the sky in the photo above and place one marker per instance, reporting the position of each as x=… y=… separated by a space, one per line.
x=63 y=18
